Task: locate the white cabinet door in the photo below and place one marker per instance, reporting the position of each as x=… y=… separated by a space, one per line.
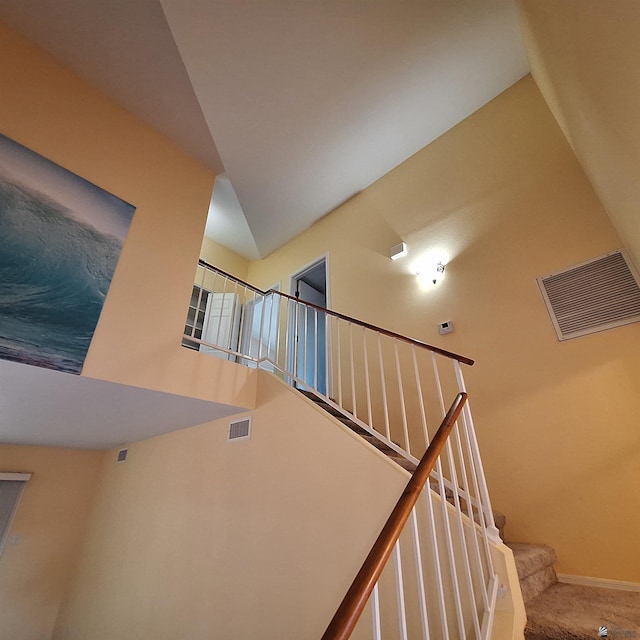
x=221 y=324
x=260 y=332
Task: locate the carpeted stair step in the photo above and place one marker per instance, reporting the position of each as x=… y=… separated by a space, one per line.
x=573 y=612
x=534 y=563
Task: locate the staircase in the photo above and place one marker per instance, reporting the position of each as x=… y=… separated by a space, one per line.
x=534 y=563
x=555 y=611
x=498 y=517
x=558 y=611
x=363 y=433
x=442 y=579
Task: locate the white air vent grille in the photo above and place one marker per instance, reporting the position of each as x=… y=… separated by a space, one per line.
x=240 y=430
x=599 y=294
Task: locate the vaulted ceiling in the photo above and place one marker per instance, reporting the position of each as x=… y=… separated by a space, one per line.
x=584 y=57
x=297 y=105
x=300 y=104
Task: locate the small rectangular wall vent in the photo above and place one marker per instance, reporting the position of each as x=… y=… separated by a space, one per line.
x=122 y=455
x=240 y=430
x=599 y=294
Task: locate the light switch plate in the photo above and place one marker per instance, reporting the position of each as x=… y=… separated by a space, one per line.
x=445 y=327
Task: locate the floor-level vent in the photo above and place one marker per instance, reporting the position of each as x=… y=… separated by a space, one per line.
x=593 y=296
x=240 y=430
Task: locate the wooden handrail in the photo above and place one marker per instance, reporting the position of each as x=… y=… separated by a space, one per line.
x=354 y=602
x=204 y=263
x=360 y=323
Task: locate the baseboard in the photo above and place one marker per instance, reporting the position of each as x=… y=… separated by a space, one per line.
x=599 y=582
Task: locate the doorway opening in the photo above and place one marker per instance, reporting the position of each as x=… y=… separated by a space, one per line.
x=309 y=349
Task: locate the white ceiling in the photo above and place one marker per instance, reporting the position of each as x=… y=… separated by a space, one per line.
x=308 y=102
x=50 y=408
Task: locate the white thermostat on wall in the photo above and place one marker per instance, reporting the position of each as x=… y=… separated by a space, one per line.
x=445 y=327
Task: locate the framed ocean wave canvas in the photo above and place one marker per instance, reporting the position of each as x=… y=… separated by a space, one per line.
x=60 y=240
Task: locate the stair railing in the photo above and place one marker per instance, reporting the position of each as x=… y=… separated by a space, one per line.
x=393 y=388
x=346 y=617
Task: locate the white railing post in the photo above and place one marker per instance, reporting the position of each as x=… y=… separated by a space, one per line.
x=485 y=500
x=445 y=518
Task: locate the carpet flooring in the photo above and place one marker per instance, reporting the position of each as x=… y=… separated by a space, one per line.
x=573 y=612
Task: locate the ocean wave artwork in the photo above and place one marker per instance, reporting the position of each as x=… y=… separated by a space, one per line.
x=60 y=240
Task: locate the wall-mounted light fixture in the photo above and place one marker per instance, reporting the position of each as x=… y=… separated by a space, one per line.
x=431 y=275
x=398 y=251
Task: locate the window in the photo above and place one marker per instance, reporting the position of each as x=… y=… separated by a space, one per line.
x=11 y=488
x=195 y=317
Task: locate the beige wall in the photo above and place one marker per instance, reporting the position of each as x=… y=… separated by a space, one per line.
x=219 y=256
x=194 y=537
x=137 y=341
x=42 y=544
x=503 y=196
x=584 y=57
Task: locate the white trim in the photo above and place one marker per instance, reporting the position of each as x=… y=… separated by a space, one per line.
x=293 y=278
x=20 y=477
x=13 y=477
x=307 y=267
x=603 y=583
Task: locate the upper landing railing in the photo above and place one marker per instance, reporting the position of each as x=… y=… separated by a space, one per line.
x=393 y=387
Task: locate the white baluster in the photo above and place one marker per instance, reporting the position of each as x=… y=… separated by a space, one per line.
x=422 y=597
x=435 y=551
x=366 y=376
x=315 y=347
x=423 y=414
x=328 y=361
x=445 y=516
x=492 y=531
x=472 y=531
x=272 y=301
x=402 y=613
x=403 y=407
x=339 y=324
x=353 y=373
x=384 y=392
x=375 y=612
x=304 y=344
